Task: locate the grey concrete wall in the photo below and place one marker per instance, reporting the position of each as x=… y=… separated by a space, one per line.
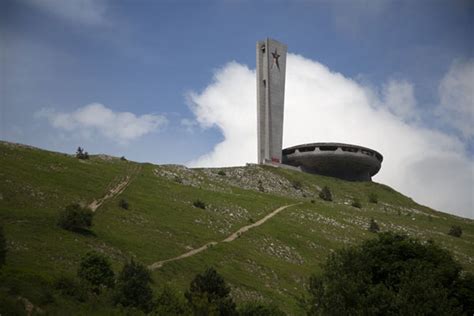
x=271 y=70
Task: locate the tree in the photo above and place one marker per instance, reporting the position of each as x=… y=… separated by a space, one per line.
x=169 y=302
x=81 y=154
x=373 y=226
x=455 y=231
x=133 y=287
x=208 y=294
x=3 y=247
x=95 y=269
x=389 y=275
x=325 y=194
x=75 y=218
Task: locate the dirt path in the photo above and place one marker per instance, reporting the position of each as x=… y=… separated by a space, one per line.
x=257 y=223
x=230 y=238
x=115 y=190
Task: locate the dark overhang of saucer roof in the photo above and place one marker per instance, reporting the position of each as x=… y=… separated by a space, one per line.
x=345 y=161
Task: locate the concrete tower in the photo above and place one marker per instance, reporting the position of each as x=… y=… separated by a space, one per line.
x=271 y=67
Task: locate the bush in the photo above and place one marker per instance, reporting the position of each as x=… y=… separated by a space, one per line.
x=373 y=198
x=123 y=158
x=75 y=218
x=124 y=204
x=221 y=173
x=133 y=287
x=455 y=231
x=81 y=154
x=356 y=203
x=260 y=186
x=389 y=275
x=313 y=201
x=199 y=204
x=96 y=271
x=373 y=226
x=3 y=247
x=259 y=309
x=297 y=185
x=325 y=194
x=208 y=294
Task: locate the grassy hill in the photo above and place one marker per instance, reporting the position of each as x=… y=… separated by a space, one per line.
x=270 y=262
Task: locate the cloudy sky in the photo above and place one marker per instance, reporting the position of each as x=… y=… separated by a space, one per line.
x=174 y=82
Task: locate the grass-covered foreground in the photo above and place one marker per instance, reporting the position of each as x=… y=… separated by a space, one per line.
x=172 y=210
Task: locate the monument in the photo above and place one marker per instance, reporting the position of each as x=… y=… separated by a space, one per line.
x=271 y=68
x=344 y=161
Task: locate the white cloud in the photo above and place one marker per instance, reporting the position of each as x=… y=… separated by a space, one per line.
x=321 y=105
x=400 y=100
x=456 y=92
x=90 y=12
x=94 y=118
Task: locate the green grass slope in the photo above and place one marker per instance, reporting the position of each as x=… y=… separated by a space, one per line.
x=270 y=262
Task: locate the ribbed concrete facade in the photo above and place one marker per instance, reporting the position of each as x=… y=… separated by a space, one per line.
x=271 y=68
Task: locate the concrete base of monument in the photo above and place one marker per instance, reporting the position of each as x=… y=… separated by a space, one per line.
x=344 y=161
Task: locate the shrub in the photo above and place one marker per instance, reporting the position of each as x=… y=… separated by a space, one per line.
x=81 y=154
x=313 y=201
x=455 y=231
x=3 y=247
x=199 y=204
x=75 y=218
x=123 y=158
x=124 y=204
x=373 y=226
x=96 y=271
x=133 y=287
x=221 y=173
x=325 y=194
x=297 y=185
x=208 y=294
x=373 y=198
x=356 y=203
x=260 y=186
x=260 y=309
x=390 y=275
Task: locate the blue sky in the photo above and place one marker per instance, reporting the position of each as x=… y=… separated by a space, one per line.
x=65 y=60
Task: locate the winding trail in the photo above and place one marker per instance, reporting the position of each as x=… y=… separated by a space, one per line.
x=116 y=190
x=230 y=238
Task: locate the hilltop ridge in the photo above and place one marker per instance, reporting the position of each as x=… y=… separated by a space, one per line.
x=269 y=262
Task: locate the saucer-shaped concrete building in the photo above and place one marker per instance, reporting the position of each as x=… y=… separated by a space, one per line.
x=344 y=161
